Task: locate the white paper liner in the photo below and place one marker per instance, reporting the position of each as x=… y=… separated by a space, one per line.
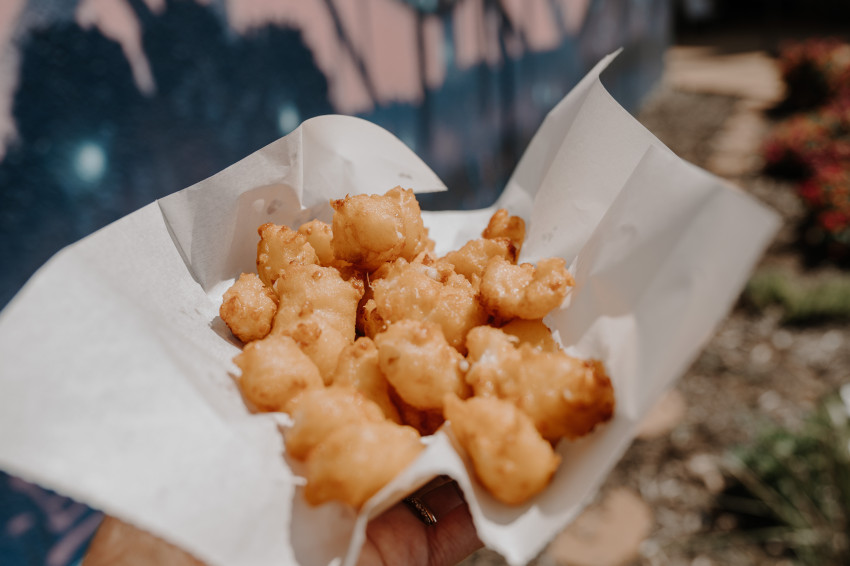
x=117 y=386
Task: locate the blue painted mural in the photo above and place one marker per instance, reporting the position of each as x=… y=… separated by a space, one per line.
x=114 y=103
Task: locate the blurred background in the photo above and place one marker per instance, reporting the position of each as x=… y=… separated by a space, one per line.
x=106 y=105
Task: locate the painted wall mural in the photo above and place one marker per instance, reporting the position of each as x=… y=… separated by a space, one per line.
x=106 y=105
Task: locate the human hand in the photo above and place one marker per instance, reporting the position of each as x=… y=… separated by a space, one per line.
x=398 y=536
x=401 y=536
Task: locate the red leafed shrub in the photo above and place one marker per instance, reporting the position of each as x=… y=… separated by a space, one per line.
x=827 y=193
x=814 y=71
x=814 y=147
x=798 y=144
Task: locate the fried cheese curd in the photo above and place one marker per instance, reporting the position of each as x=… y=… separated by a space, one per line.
x=358 y=367
x=472 y=258
x=428 y=290
x=565 y=397
x=425 y=421
x=420 y=365
x=524 y=291
x=275 y=371
x=248 y=308
x=533 y=332
x=503 y=225
x=278 y=248
x=318 y=309
x=317 y=413
x=319 y=235
x=354 y=462
x=509 y=456
x=371 y=341
x=318 y=293
x=370 y=230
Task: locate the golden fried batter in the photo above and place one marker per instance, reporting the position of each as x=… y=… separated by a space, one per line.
x=373 y=272
x=509 y=456
x=420 y=365
x=524 y=291
x=319 y=236
x=471 y=260
x=503 y=225
x=415 y=234
x=564 y=396
x=248 y=308
x=355 y=461
x=369 y=322
x=278 y=248
x=317 y=293
x=274 y=371
x=370 y=230
x=429 y=291
x=358 y=367
x=426 y=422
x=319 y=412
x=533 y=332
x=321 y=342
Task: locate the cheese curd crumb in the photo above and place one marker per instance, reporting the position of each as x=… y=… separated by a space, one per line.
x=370 y=230
x=278 y=248
x=509 y=456
x=524 y=291
x=420 y=365
x=275 y=371
x=357 y=460
x=317 y=413
x=248 y=308
x=565 y=397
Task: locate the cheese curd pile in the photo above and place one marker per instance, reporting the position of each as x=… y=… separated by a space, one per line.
x=370 y=341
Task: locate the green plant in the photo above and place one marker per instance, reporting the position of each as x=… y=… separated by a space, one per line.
x=802 y=299
x=793 y=487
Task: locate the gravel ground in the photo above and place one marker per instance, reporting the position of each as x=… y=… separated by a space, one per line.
x=754 y=373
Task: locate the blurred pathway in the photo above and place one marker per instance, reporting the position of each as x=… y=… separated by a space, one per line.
x=753 y=78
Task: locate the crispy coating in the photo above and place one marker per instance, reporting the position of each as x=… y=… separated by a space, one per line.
x=248 y=308
x=274 y=371
x=358 y=367
x=369 y=322
x=426 y=422
x=510 y=458
x=524 y=291
x=321 y=342
x=429 y=291
x=564 y=396
x=503 y=225
x=533 y=332
x=317 y=413
x=278 y=248
x=360 y=406
x=317 y=293
x=370 y=230
x=419 y=364
x=471 y=260
x=415 y=234
x=319 y=236
x=354 y=462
